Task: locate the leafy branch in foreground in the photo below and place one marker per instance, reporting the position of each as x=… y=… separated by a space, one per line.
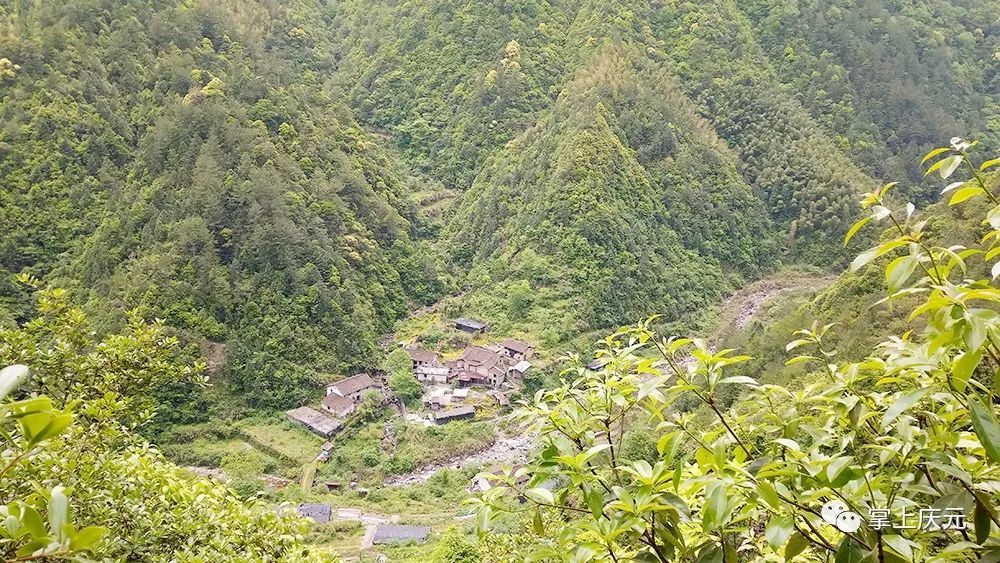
x=910 y=429
x=24 y=534
x=73 y=456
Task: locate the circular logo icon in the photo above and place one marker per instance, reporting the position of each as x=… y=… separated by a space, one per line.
x=848 y=522
x=835 y=513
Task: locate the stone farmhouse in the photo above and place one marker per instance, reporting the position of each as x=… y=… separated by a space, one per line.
x=352 y=387
x=490 y=366
x=342 y=397
x=517 y=350
x=426 y=366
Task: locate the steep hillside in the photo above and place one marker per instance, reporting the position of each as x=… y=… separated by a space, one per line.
x=888 y=78
x=186 y=161
x=813 y=112
x=626 y=192
x=255 y=172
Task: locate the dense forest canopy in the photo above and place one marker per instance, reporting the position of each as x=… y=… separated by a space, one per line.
x=255 y=173
x=258 y=194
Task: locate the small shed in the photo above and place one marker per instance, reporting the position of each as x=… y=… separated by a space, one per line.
x=315 y=421
x=517 y=349
x=318 y=512
x=520 y=368
x=458 y=413
x=471 y=326
x=397 y=533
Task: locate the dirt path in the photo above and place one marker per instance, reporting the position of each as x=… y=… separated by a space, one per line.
x=739 y=309
x=510 y=450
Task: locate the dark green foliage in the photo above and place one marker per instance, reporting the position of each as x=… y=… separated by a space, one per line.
x=887 y=78
x=574 y=189
x=192 y=165
x=214 y=164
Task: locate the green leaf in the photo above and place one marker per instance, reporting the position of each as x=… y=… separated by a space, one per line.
x=739 y=379
x=900 y=545
x=963 y=367
x=87 y=538
x=796 y=545
x=537 y=523
x=32 y=522
x=770 y=496
x=714 y=514
x=484 y=518
x=788 y=443
x=902 y=402
x=900 y=270
x=934 y=153
x=864 y=258
x=989 y=164
x=849 y=552
x=855 y=228
x=595 y=501
x=965 y=194
x=950 y=165
x=778 y=530
x=593 y=451
x=984 y=422
x=58 y=511
x=540 y=495
x=981 y=519
x=946 y=166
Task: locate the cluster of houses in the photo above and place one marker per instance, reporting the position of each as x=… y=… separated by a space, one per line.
x=499 y=366
x=494 y=368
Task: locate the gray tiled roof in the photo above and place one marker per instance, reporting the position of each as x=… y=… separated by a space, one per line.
x=354 y=384
x=388 y=533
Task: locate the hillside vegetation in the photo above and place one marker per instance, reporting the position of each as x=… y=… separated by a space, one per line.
x=255 y=173
x=263 y=195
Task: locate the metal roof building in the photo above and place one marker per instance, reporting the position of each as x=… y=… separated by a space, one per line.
x=391 y=533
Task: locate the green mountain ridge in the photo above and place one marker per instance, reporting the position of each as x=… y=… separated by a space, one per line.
x=604 y=189
x=253 y=171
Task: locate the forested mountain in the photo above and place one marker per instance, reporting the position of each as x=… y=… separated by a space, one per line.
x=190 y=161
x=626 y=191
x=284 y=189
x=248 y=170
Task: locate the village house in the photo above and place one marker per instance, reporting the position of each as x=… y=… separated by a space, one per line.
x=352 y=388
x=517 y=350
x=470 y=326
x=315 y=511
x=489 y=364
x=468 y=378
x=520 y=368
x=315 y=421
x=427 y=368
x=341 y=407
x=397 y=533
x=437 y=400
x=422 y=358
x=432 y=374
